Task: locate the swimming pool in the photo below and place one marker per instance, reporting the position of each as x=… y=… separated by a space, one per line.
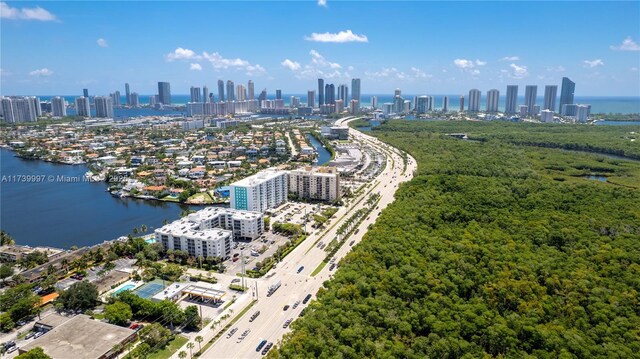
x=126 y=287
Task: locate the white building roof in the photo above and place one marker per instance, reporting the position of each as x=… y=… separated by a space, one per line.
x=259 y=178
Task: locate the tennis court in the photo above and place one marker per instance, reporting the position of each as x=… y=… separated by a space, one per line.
x=150 y=289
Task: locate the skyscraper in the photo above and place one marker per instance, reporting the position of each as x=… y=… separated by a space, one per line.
x=251 y=89
x=241 y=93
x=343 y=93
x=205 y=93
x=82 y=106
x=230 y=91
x=374 y=102
x=262 y=96
x=104 y=106
x=355 y=91
x=115 y=98
x=461 y=103
x=445 y=104
x=85 y=93
x=550 y=93
x=164 y=93
x=493 y=98
x=530 y=93
x=278 y=94
x=397 y=92
x=566 y=93
x=36 y=105
x=330 y=94
x=135 y=99
x=320 y=92
x=127 y=93
x=311 y=98
x=195 y=94
x=58 y=106
x=18 y=109
x=512 y=99
x=220 y=90
x=474 y=100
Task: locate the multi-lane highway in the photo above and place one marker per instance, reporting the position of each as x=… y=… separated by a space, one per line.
x=296 y=283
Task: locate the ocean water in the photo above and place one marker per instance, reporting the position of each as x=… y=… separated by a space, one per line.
x=599 y=104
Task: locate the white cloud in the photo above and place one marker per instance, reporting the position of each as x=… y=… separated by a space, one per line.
x=291 y=65
x=322 y=3
x=634 y=69
x=469 y=66
x=342 y=36
x=182 y=54
x=419 y=74
x=510 y=58
x=4 y=72
x=559 y=68
x=102 y=42
x=464 y=64
x=318 y=59
x=593 y=63
x=318 y=66
x=627 y=45
x=392 y=73
x=215 y=59
x=518 y=72
x=25 y=13
x=41 y=72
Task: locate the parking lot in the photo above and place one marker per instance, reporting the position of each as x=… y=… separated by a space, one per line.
x=254 y=251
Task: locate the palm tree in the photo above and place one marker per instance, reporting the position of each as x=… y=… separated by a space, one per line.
x=143 y=228
x=182 y=354
x=135 y=230
x=199 y=340
x=190 y=346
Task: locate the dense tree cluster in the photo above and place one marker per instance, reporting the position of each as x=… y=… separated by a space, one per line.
x=166 y=312
x=484 y=254
x=16 y=303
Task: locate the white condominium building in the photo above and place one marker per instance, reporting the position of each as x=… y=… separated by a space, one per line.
x=211 y=231
x=322 y=183
x=264 y=190
x=198 y=243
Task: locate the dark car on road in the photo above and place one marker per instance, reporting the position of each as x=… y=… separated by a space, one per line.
x=262 y=343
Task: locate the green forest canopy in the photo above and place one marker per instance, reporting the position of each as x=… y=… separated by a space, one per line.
x=487 y=253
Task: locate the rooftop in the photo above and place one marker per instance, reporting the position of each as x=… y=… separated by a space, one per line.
x=80 y=338
x=259 y=178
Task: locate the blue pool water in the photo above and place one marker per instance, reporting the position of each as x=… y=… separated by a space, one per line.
x=126 y=287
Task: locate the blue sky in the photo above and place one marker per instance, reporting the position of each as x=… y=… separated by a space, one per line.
x=51 y=48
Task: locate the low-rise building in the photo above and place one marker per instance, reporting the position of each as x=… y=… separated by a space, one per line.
x=79 y=337
x=321 y=183
x=211 y=231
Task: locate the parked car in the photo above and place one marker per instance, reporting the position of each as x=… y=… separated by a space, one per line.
x=296 y=304
x=300 y=269
x=285 y=307
x=30 y=335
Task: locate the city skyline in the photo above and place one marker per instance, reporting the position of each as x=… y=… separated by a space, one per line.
x=326 y=41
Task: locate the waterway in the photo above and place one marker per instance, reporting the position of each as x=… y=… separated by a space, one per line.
x=324 y=155
x=59 y=213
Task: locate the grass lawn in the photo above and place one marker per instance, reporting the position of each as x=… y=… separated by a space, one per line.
x=170 y=349
x=319 y=268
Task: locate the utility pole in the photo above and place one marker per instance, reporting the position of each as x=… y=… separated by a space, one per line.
x=242 y=259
